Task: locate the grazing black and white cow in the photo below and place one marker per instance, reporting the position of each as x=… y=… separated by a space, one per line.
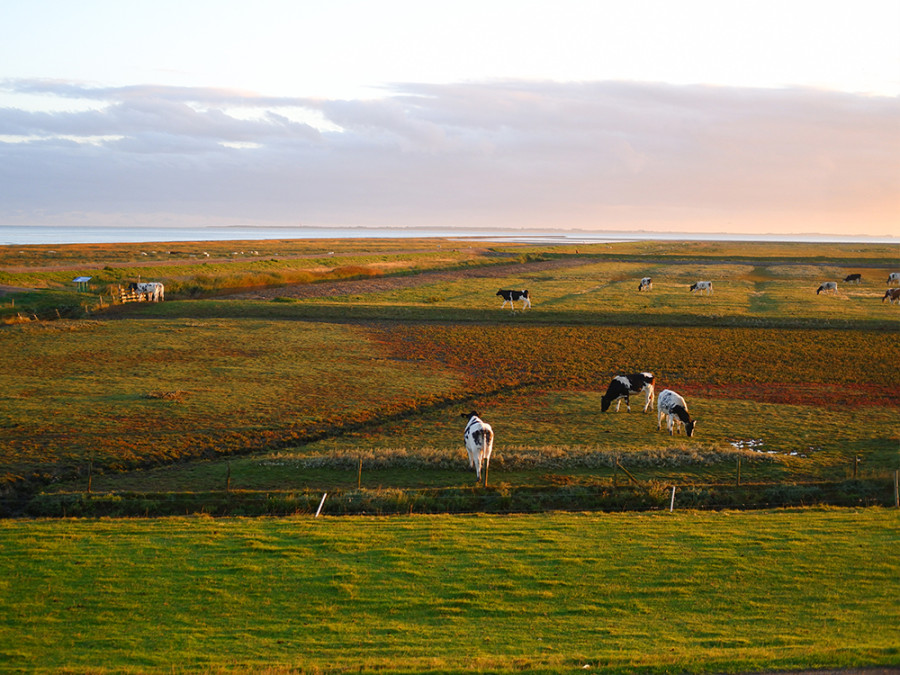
x=153 y=290
x=853 y=278
x=893 y=278
x=892 y=295
x=622 y=386
x=479 y=440
x=512 y=296
x=827 y=287
x=702 y=286
x=674 y=408
x=646 y=284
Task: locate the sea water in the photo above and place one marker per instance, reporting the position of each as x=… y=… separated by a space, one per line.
x=20 y=235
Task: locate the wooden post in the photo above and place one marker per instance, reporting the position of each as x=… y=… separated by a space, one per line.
x=739 y=472
x=90 y=475
x=628 y=473
x=228 y=477
x=672 y=503
x=855 y=466
x=359 y=475
x=485 y=473
x=897 y=488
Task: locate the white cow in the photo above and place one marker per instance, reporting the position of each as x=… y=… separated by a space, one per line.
x=893 y=278
x=702 y=286
x=646 y=284
x=479 y=440
x=674 y=408
x=154 y=290
x=827 y=287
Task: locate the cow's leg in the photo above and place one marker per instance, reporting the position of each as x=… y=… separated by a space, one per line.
x=649 y=398
x=627 y=403
x=618 y=403
x=659 y=420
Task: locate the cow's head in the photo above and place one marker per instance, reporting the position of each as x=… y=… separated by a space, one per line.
x=469 y=415
x=605 y=403
x=689 y=427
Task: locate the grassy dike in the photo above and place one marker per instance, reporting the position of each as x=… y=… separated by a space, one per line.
x=684 y=592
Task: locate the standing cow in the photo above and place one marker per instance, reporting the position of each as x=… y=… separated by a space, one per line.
x=827 y=287
x=893 y=278
x=853 y=278
x=512 y=296
x=479 y=440
x=892 y=295
x=624 y=385
x=646 y=284
x=674 y=408
x=702 y=286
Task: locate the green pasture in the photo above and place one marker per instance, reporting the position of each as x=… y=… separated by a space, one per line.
x=550 y=593
x=607 y=292
x=774 y=443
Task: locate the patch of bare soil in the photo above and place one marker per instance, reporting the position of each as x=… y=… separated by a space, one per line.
x=381 y=284
x=4 y=290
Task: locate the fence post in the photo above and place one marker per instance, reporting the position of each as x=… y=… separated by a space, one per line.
x=897 y=488
x=321 y=504
x=90 y=475
x=855 y=466
x=672 y=503
x=228 y=478
x=739 y=472
x=359 y=475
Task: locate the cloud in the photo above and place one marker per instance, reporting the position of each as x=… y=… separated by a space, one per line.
x=540 y=154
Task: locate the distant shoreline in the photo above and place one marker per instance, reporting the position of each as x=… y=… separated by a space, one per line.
x=46 y=235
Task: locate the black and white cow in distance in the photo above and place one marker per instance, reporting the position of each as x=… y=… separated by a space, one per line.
x=646 y=284
x=893 y=278
x=479 y=440
x=827 y=287
x=674 y=408
x=853 y=278
x=622 y=386
x=154 y=290
x=892 y=295
x=512 y=296
x=702 y=286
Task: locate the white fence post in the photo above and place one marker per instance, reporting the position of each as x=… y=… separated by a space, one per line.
x=672 y=503
x=321 y=504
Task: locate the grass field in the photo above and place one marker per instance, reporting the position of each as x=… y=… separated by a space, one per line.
x=550 y=593
x=352 y=383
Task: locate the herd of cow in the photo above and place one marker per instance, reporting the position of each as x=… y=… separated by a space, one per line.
x=646 y=284
x=479 y=435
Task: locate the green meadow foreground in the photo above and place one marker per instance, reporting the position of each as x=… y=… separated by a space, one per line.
x=276 y=372
x=618 y=593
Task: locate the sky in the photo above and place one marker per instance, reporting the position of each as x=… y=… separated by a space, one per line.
x=650 y=115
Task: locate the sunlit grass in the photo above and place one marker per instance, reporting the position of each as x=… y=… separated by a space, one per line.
x=619 y=593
